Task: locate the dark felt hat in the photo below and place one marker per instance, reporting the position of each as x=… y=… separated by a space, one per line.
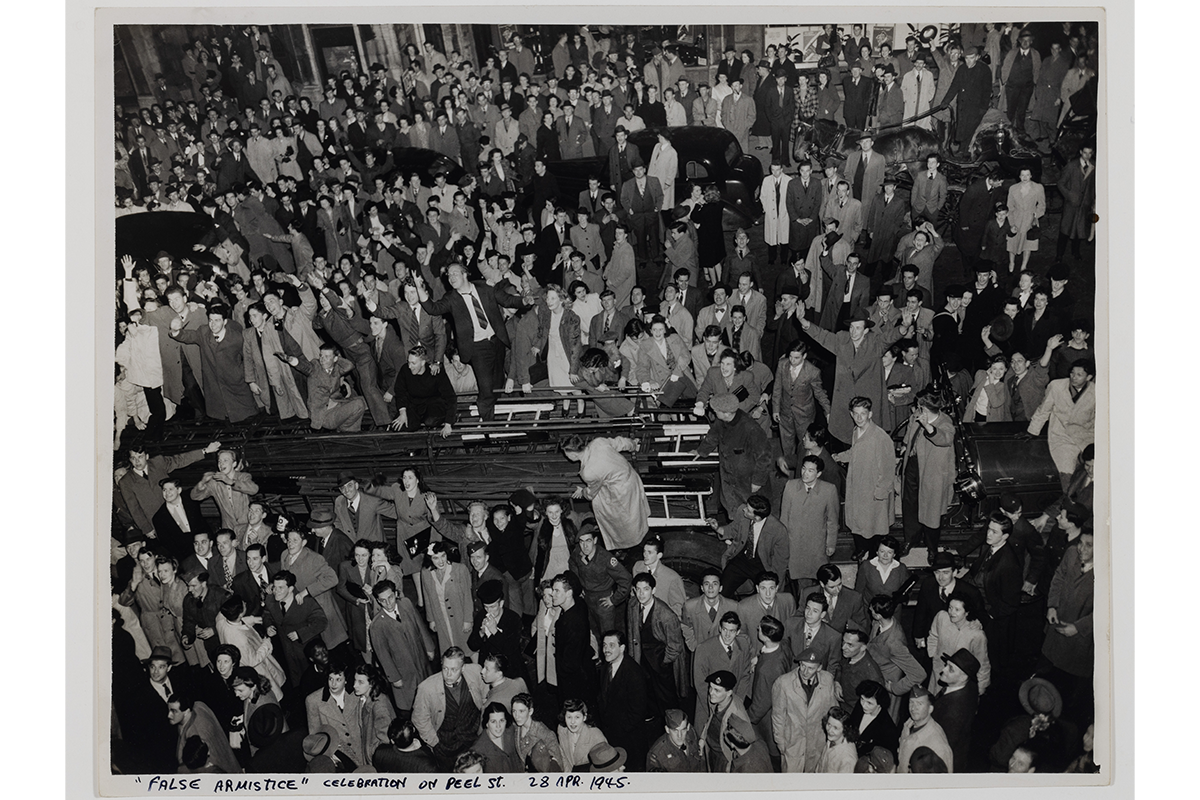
x=606 y=758
x=965 y=660
x=490 y=591
x=1040 y=696
x=860 y=317
x=321 y=517
x=316 y=744
x=1002 y=328
x=1059 y=272
x=265 y=725
x=344 y=477
x=130 y=535
x=944 y=560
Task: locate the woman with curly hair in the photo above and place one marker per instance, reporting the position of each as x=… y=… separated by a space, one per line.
x=377 y=712
x=577 y=735
x=840 y=754
x=954 y=628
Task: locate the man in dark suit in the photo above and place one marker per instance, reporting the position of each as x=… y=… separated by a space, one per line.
x=609 y=322
x=590 y=199
x=390 y=356
x=416 y=328
x=235 y=167
x=295 y=623
x=848 y=296
x=641 y=198
x=689 y=296
x=203 y=557
x=497 y=628
x=552 y=238
x=804 y=199
x=139 y=163
x=806 y=629
x=177 y=520
x=200 y=609
x=755 y=542
x=479 y=327
x=655 y=641
x=622 y=158
x=335 y=546
x=784 y=328
x=997 y=574
x=624 y=711
x=355 y=513
x=846 y=606
x=857 y=89
x=229 y=562
x=253 y=584
x=975 y=208
x=955 y=706
x=780 y=107
x=890 y=101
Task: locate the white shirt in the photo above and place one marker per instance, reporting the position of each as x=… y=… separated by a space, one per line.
x=756 y=530
x=483 y=328
x=177 y=512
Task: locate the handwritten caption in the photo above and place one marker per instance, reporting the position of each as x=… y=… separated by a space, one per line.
x=474 y=783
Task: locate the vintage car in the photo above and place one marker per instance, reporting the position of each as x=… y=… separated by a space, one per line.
x=426 y=163
x=706 y=155
x=175 y=232
x=997 y=145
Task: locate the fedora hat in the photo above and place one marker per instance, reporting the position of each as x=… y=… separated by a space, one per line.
x=606 y=758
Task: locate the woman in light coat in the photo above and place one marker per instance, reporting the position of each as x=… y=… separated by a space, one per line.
x=449 y=607
x=614 y=488
x=953 y=629
x=1026 y=207
x=840 y=754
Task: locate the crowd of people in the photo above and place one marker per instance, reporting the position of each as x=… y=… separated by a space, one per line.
x=333 y=287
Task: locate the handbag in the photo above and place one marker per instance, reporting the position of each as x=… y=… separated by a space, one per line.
x=1034 y=233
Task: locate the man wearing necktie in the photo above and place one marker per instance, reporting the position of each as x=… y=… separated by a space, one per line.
x=780 y=109
x=918 y=88
x=641 y=197
x=1077 y=185
x=933 y=596
x=479 y=327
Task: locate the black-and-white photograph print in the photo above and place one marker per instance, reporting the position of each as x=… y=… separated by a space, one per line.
x=601 y=397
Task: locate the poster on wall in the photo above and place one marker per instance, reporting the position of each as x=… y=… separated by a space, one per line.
x=929 y=34
x=795 y=38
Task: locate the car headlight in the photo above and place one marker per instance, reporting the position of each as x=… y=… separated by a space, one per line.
x=969 y=485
